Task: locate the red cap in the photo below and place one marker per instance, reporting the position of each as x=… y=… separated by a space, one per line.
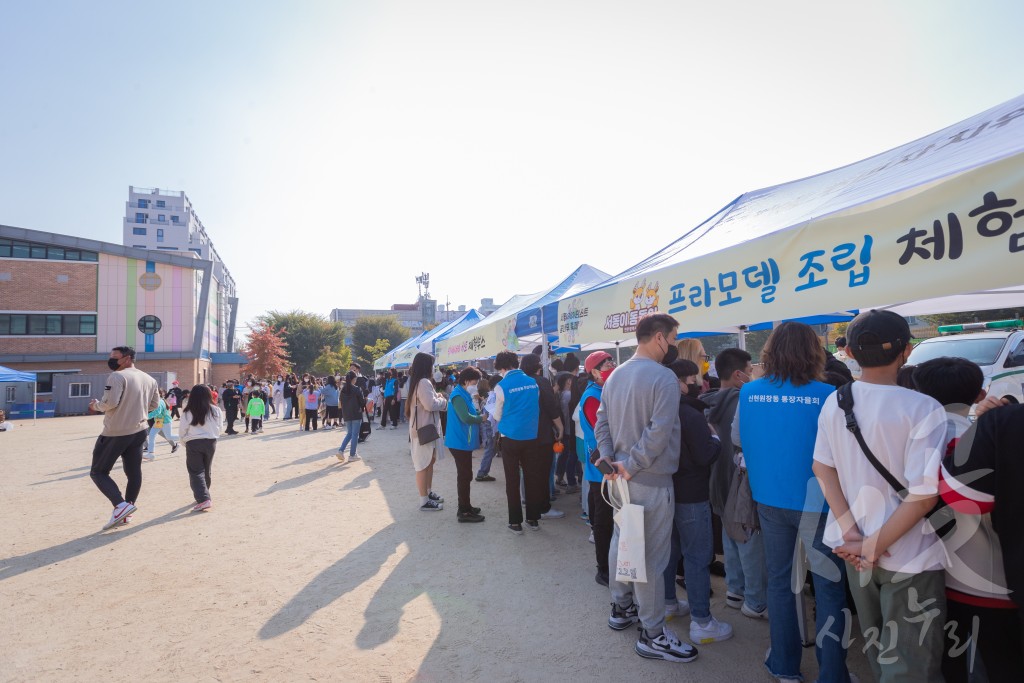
x=595 y=359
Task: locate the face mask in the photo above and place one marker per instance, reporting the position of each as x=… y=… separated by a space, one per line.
x=337 y=378
x=473 y=391
x=671 y=355
x=705 y=367
x=438 y=377
x=114 y=364
x=605 y=374
x=693 y=390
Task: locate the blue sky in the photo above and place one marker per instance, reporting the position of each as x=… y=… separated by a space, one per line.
x=496 y=145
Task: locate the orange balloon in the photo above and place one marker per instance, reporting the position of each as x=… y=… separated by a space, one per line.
x=558 y=447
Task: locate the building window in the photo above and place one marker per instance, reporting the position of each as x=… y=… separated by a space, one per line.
x=174 y=219
x=149 y=324
x=160 y=204
x=159 y=234
x=37 y=251
x=143 y=204
x=138 y=231
x=149 y=282
x=198 y=251
x=11 y=394
x=79 y=390
x=168 y=248
x=47 y=324
x=162 y=218
x=44 y=382
x=140 y=218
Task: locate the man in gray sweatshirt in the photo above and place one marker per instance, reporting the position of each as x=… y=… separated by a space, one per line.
x=638 y=431
x=129 y=396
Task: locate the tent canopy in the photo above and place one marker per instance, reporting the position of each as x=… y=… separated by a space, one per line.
x=500 y=330
x=936 y=218
x=9 y=375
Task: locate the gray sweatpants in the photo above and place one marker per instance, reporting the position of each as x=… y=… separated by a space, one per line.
x=659 y=512
x=199 y=463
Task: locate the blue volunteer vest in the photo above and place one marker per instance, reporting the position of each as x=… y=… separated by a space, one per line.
x=592 y=474
x=521 y=412
x=458 y=435
x=389 y=388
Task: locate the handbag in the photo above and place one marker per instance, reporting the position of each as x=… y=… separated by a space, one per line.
x=428 y=433
x=630 y=557
x=940 y=517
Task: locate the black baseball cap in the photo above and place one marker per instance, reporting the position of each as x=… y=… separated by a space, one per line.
x=878 y=331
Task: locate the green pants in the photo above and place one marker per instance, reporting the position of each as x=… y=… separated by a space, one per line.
x=901 y=618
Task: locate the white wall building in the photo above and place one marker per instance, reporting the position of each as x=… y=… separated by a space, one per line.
x=164 y=220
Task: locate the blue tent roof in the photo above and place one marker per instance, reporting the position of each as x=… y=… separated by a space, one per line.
x=9 y=375
x=454 y=327
x=528 y=321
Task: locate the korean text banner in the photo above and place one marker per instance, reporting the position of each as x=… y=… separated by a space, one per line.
x=960 y=234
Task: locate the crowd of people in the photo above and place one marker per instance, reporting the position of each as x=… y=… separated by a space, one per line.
x=881 y=497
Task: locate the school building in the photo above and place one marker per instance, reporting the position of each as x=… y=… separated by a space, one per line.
x=66 y=301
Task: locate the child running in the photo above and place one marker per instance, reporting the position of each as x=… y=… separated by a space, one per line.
x=199 y=429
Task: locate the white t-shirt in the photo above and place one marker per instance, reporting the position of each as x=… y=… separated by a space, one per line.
x=906 y=431
x=6 y=426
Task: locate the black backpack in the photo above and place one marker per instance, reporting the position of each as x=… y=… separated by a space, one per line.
x=364 y=427
x=940 y=517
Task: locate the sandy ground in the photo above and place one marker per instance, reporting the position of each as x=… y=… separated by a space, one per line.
x=306 y=569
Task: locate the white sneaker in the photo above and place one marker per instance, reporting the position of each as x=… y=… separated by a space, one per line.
x=751 y=613
x=119 y=514
x=676 y=608
x=591 y=539
x=552 y=514
x=733 y=600
x=149 y=456
x=666 y=646
x=713 y=632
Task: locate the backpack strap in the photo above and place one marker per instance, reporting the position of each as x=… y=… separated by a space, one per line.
x=844 y=396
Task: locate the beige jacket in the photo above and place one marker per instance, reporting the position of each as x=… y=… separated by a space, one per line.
x=129 y=397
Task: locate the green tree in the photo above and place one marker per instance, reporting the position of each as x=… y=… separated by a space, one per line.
x=306 y=335
x=975 y=316
x=369 y=331
x=331 y=362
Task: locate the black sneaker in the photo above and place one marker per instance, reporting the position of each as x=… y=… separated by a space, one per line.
x=475 y=511
x=517 y=529
x=601 y=578
x=174 y=447
x=665 y=645
x=431 y=506
x=485 y=477
x=533 y=525
x=470 y=517
x=622 y=617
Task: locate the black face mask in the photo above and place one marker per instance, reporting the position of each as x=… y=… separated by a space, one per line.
x=114 y=364
x=693 y=390
x=671 y=355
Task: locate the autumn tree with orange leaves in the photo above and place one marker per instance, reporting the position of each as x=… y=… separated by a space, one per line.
x=267 y=352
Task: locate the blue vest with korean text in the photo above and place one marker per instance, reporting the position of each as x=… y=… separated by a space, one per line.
x=458 y=435
x=591 y=473
x=521 y=411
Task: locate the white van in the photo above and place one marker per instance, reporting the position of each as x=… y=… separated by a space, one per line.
x=999 y=350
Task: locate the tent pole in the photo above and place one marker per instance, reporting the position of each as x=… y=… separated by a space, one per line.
x=741 y=338
x=543 y=344
x=617 y=361
x=35 y=398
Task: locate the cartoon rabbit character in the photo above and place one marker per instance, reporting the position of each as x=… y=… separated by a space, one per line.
x=637 y=302
x=651 y=298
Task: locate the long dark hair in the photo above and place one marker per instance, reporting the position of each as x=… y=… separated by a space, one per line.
x=422 y=368
x=793 y=352
x=346 y=388
x=200 y=404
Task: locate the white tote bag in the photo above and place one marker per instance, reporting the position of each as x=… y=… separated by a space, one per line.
x=630 y=565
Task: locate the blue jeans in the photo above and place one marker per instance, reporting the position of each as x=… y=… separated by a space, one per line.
x=165 y=431
x=745 y=571
x=781 y=528
x=351 y=436
x=693 y=540
x=487 y=436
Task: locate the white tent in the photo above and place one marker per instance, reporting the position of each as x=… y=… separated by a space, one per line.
x=522 y=314
x=936 y=224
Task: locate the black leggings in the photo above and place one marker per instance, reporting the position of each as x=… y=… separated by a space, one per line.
x=464 y=475
x=600 y=513
x=311 y=418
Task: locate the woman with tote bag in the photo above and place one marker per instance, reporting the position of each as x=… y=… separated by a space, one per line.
x=423 y=412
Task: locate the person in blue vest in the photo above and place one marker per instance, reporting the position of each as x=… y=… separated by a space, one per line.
x=462 y=437
x=776 y=425
x=517 y=411
x=599 y=366
x=390 y=400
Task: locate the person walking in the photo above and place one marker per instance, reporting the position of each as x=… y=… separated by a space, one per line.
x=352 y=406
x=254 y=411
x=231 y=396
x=128 y=397
x=332 y=397
x=159 y=422
x=280 y=406
x=638 y=433
x=198 y=430
x=423 y=410
x=462 y=437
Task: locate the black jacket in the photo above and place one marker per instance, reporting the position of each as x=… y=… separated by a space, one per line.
x=722 y=406
x=698 y=450
x=352 y=403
